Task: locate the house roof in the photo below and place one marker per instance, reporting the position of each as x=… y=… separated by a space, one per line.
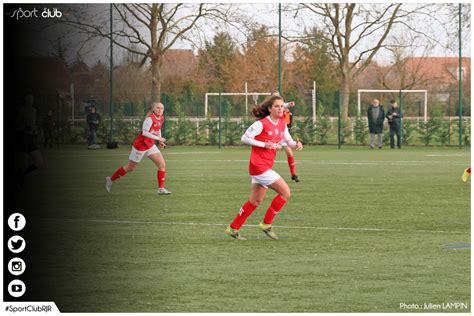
x=439 y=69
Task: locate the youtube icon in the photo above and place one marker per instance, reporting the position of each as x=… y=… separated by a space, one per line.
x=16 y=288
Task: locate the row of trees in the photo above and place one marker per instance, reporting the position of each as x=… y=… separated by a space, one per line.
x=222 y=66
x=339 y=43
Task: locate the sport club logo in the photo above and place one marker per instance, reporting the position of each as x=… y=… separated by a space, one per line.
x=47 y=13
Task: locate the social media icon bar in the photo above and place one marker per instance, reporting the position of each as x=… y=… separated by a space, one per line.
x=16 y=288
x=16 y=244
x=16 y=266
x=16 y=222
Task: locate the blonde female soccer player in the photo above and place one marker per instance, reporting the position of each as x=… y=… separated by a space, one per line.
x=144 y=145
x=265 y=136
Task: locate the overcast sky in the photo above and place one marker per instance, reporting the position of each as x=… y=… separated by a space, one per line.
x=266 y=14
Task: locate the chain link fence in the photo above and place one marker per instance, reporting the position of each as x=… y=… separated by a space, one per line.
x=229 y=116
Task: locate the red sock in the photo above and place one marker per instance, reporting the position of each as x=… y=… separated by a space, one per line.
x=244 y=213
x=120 y=172
x=291 y=164
x=273 y=209
x=161 y=178
x=468 y=170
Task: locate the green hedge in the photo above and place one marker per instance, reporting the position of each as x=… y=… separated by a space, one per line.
x=181 y=131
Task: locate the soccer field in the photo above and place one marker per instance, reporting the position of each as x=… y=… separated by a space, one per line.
x=365 y=230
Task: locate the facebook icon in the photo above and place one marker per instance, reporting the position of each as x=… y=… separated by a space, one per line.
x=16 y=221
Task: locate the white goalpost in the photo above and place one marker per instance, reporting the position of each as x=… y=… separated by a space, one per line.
x=255 y=96
x=425 y=94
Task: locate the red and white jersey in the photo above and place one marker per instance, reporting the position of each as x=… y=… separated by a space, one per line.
x=151 y=131
x=264 y=130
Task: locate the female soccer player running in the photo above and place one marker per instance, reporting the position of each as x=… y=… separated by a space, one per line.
x=265 y=136
x=143 y=145
x=287 y=117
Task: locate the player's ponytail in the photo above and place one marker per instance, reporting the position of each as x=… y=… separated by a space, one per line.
x=262 y=110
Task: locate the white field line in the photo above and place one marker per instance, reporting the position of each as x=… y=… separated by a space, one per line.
x=59 y=155
x=322 y=162
x=279 y=161
x=279 y=226
x=447 y=155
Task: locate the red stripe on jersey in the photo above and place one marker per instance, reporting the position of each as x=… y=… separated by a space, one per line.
x=143 y=143
x=262 y=159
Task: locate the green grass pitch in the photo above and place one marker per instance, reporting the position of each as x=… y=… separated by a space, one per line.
x=365 y=231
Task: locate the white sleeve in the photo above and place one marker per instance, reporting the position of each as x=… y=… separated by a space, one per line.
x=249 y=136
x=288 y=139
x=146 y=127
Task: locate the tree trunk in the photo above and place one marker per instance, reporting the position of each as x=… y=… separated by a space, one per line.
x=155 y=78
x=345 y=91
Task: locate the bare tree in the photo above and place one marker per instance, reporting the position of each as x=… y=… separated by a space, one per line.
x=356 y=32
x=149 y=30
x=452 y=24
x=407 y=71
x=59 y=48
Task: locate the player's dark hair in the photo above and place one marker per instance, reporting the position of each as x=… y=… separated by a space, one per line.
x=392 y=101
x=262 y=110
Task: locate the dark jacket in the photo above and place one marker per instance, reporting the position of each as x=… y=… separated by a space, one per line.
x=93 y=119
x=394 y=121
x=375 y=123
x=48 y=124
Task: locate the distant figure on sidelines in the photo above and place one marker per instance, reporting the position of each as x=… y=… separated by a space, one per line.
x=393 y=117
x=28 y=155
x=465 y=175
x=375 y=116
x=288 y=118
x=48 y=128
x=93 y=120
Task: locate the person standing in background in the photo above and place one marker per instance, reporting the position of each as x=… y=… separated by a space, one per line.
x=93 y=120
x=375 y=116
x=28 y=154
x=393 y=117
x=48 y=127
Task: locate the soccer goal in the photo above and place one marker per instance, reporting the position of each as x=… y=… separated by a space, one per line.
x=424 y=92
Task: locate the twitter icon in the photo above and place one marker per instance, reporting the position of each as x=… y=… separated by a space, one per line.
x=16 y=244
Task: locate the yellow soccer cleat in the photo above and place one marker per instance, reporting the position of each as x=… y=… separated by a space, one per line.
x=234 y=233
x=465 y=176
x=267 y=229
